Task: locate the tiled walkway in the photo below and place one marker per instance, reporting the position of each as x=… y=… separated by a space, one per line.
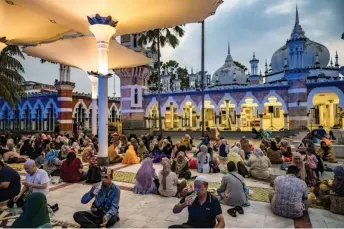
x=156 y=211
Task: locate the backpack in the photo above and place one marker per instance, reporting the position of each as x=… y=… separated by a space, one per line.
x=93 y=175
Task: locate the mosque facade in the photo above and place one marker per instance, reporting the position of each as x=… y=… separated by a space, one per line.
x=43 y=105
x=301 y=88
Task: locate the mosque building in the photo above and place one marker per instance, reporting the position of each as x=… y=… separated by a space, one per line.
x=43 y=105
x=300 y=88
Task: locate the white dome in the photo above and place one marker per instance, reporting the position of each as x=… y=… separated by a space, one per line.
x=229 y=73
x=310 y=50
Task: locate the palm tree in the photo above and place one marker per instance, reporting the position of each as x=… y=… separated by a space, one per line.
x=11 y=71
x=158 y=38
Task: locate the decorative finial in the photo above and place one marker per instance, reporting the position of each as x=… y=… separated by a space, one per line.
x=331 y=62
x=254 y=55
x=336 y=54
x=297 y=16
x=266 y=62
x=229 y=50
x=191 y=70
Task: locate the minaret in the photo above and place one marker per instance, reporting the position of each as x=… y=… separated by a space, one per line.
x=270 y=68
x=266 y=67
x=336 y=64
x=254 y=65
x=254 y=78
x=331 y=62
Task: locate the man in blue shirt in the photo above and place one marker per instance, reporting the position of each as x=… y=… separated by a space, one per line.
x=104 y=211
x=204 y=209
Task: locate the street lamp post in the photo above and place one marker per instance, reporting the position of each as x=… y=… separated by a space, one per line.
x=202 y=78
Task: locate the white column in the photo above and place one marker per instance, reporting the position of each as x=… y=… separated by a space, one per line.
x=163 y=123
x=227 y=113
x=197 y=122
x=94 y=82
x=190 y=118
x=22 y=124
x=238 y=122
x=103 y=33
x=286 y=127
x=180 y=122
x=172 y=114
x=261 y=126
x=321 y=114
x=217 y=120
x=331 y=113
x=45 y=125
x=33 y=125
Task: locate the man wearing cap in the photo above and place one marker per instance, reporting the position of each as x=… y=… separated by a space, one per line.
x=36 y=180
x=204 y=209
x=104 y=211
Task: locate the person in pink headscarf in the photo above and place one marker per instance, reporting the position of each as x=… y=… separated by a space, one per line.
x=146 y=178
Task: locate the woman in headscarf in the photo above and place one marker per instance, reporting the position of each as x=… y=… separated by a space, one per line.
x=338 y=182
x=76 y=147
x=63 y=152
x=145 y=177
x=130 y=156
x=180 y=166
x=263 y=148
x=71 y=169
x=167 y=148
x=35 y=212
x=274 y=154
x=203 y=160
x=299 y=161
x=241 y=152
x=326 y=153
x=26 y=149
x=259 y=165
x=134 y=143
x=234 y=156
x=175 y=149
x=286 y=149
x=59 y=142
x=278 y=141
x=113 y=151
x=186 y=141
x=142 y=151
x=124 y=144
x=223 y=150
x=169 y=184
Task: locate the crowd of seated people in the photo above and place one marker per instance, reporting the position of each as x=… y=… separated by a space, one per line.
x=63 y=156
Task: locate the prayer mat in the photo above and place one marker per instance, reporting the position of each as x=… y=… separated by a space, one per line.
x=15 y=166
x=7 y=223
x=259 y=194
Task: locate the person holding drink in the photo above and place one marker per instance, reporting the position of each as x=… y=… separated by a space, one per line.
x=204 y=209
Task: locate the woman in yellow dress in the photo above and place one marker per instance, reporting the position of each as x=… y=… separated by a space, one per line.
x=113 y=151
x=130 y=156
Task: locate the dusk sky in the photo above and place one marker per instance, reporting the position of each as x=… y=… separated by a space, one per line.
x=260 y=26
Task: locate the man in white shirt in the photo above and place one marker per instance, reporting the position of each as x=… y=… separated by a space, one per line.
x=36 y=180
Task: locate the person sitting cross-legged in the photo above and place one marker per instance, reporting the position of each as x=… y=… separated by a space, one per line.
x=180 y=166
x=104 y=211
x=9 y=182
x=36 y=180
x=290 y=198
x=204 y=209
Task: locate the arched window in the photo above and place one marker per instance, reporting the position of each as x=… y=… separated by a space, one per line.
x=27 y=119
x=80 y=114
x=136 y=96
x=6 y=119
x=16 y=123
x=38 y=120
x=51 y=118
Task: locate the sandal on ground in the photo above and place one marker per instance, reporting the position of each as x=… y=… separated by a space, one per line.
x=239 y=209
x=232 y=212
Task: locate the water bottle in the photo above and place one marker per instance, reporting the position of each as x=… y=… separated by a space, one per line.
x=97 y=189
x=14 y=209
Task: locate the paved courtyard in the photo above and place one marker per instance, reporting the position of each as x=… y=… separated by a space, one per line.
x=155 y=211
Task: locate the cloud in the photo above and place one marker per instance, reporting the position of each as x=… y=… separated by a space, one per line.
x=285 y=7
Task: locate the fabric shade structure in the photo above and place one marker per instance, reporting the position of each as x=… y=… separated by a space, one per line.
x=2 y=46
x=133 y=16
x=81 y=52
x=22 y=26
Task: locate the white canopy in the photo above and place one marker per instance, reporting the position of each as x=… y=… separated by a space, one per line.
x=133 y=16
x=21 y=25
x=82 y=53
